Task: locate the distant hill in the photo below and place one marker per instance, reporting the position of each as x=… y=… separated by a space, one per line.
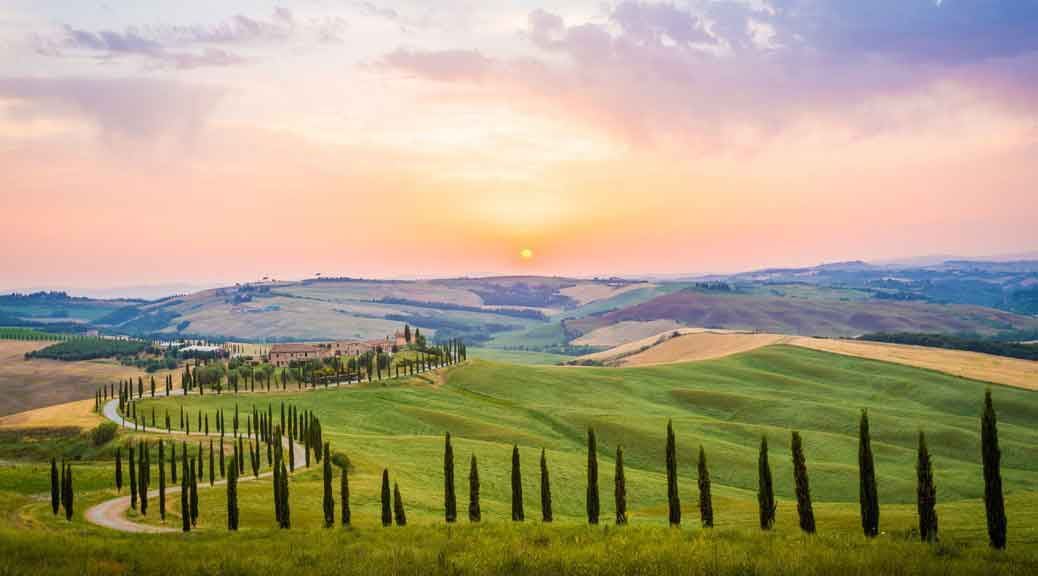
x=808 y=316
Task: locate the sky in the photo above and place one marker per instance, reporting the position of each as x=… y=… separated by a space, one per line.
x=151 y=142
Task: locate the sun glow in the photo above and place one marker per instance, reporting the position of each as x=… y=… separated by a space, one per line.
x=526 y=254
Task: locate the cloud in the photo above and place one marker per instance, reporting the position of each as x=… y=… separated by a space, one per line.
x=717 y=68
x=191 y=46
x=134 y=108
x=442 y=65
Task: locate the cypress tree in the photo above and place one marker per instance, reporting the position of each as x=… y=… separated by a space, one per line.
x=765 y=488
x=291 y=454
x=994 y=503
x=803 y=489
x=398 y=506
x=67 y=487
x=185 y=494
x=706 y=503
x=142 y=477
x=592 y=478
x=212 y=467
x=173 y=462
x=926 y=493
x=232 y=499
x=133 y=479
x=475 y=515
x=286 y=516
x=450 y=504
x=344 y=495
x=517 y=487
x=387 y=515
x=118 y=470
x=277 y=493
x=329 y=502
x=55 y=486
x=867 y=496
x=223 y=464
x=673 y=498
x=546 y=513
x=162 y=481
x=194 y=495
x=620 y=488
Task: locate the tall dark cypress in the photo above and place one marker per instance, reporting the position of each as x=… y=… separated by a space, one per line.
x=68 y=491
x=387 y=514
x=277 y=492
x=867 y=496
x=765 y=488
x=286 y=509
x=142 y=477
x=398 y=507
x=546 y=512
x=55 y=486
x=232 y=499
x=173 y=462
x=344 y=496
x=620 y=488
x=803 y=489
x=518 y=514
x=706 y=502
x=212 y=467
x=475 y=514
x=162 y=481
x=994 y=502
x=673 y=498
x=194 y=495
x=450 y=503
x=591 y=498
x=118 y=470
x=185 y=493
x=133 y=479
x=926 y=493
x=328 y=501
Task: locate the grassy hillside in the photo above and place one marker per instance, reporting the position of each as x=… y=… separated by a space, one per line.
x=814 y=315
x=725 y=405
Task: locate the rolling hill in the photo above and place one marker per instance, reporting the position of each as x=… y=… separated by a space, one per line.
x=815 y=316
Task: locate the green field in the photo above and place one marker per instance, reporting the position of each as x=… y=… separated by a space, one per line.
x=523 y=357
x=725 y=405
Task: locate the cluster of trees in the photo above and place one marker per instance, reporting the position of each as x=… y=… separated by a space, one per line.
x=950 y=342
x=61 y=492
x=90 y=348
x=27 y=334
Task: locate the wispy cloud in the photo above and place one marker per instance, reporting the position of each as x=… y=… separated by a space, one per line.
x=191 y=46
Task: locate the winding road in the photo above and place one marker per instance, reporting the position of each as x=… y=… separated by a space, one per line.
x=112 y=513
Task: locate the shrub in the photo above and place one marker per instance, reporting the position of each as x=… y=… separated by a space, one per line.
x=104 y=433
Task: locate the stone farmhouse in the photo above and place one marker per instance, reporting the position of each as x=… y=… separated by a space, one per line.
x=285 y=354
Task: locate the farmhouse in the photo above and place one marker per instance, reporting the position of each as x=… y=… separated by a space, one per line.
x=285 y=354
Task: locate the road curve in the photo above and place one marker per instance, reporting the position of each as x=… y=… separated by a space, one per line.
x=112 y=513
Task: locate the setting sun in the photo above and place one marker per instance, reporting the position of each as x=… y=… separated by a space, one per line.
x=526 y=254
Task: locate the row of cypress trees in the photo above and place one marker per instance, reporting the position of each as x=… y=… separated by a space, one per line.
x=868 y=494
x=308 y=429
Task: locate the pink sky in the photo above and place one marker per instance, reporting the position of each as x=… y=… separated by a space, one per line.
x=400 y=140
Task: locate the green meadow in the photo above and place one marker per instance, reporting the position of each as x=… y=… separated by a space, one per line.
x=725 y=405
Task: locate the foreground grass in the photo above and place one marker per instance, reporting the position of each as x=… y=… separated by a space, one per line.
x=499 y=549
